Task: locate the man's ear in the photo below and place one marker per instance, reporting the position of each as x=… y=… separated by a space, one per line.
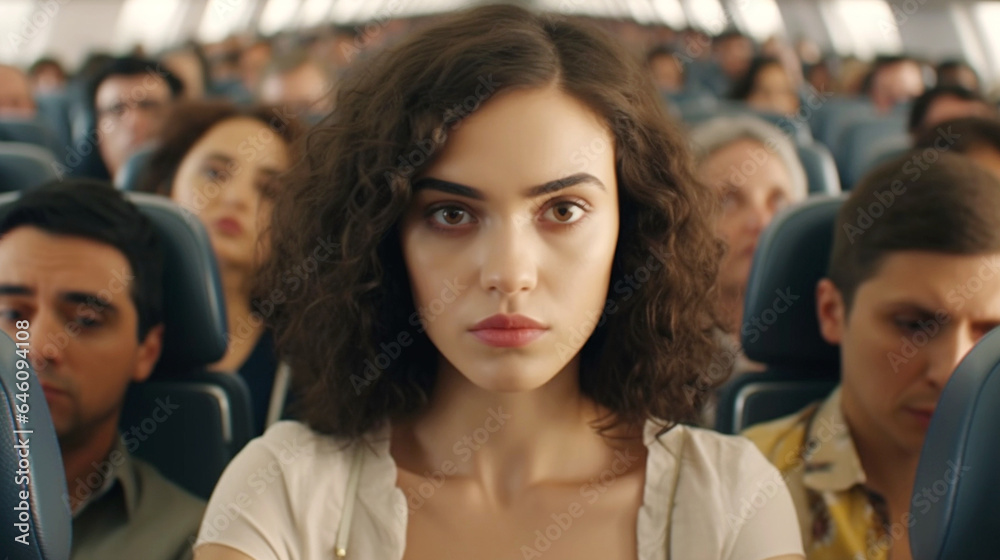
x=830 y=311
x=148 y=353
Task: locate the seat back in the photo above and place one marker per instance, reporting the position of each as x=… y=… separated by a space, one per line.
x=24 y=166
x=35 y=520
x=780 y=327
x=820 y=168
x=956 y=498
x=135 y=166
x=858 y=144
x=35 y=131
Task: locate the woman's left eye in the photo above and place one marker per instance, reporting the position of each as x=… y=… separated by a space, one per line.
x=564 y=213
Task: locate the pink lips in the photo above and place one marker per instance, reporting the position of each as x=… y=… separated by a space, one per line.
x=508 y=331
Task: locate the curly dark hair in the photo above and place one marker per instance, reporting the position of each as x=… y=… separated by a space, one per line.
x=188 y=121
x=352 y=188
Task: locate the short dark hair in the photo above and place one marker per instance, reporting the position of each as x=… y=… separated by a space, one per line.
x=131 y=66
x=189 y=121
x=744 y=86
x=952 y=65
x=963 y=135
x=95 y=210
x=922 y=105
x=950 y=206
x=42 y=63
x=881 y=63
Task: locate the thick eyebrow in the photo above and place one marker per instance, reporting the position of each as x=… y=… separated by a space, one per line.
x=471 y=192
x=15 y=290
x=219 y=157
x=90 y=300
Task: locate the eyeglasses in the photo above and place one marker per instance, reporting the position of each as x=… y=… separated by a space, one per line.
x=118 y=110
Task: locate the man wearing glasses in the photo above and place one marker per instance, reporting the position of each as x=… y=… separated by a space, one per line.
x=130 y=97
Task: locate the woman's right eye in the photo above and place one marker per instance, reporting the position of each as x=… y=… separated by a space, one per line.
x=215 y=174
x=450 y=216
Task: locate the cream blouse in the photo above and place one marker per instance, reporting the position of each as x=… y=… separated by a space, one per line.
x=283 y=495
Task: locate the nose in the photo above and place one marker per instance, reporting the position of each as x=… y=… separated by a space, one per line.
x=953 y=345
x=49 y=339
x=238 y=190
x=757 y=217
x=508 y=260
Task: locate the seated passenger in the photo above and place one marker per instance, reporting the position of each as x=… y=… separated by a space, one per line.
x=15 y=94
x=945 y=103
x=892 y=81
x=907 y=295
x=130 y=98
x=47 y=76
x=83 y=268
x=975 y=137
x=498 y=354
x=298 y=85
x=190 y=66
x=958 y=73
x=221 y=163
x=753 y=168
x=667 y=69
x=767 y=87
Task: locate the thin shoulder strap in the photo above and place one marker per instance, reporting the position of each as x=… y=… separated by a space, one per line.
x=673 y=488
x=351 y=496
x=279 y=392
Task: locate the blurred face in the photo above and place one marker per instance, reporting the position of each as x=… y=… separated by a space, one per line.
x=130 y=112
x=510 y=238
x=749 y=201
x=949 y=107
x=303 y=90
x=773 y=91
x=186 y=66
x=228 y=179
x=908 y=328
x=75 y=295
x=667 y=74
x=734 y=56
x=15 y=94
x=897 y=83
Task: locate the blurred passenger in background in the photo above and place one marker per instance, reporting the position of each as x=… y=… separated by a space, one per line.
x=754 y=168
x=767 y=87
x=667 y=69
x=190 y=66
x=944 y=103
x=975 y=137
x=47 y=76
x=298 y=84
x=222 y=163
x=894 y=80
x=130 y=98
x=253 y=60
x=15 y=94
x=958 y=73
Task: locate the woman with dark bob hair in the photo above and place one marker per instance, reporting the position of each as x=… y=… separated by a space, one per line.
x=221 y=162
x=497 y=359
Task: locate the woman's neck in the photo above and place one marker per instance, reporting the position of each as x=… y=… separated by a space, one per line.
x=507 y=442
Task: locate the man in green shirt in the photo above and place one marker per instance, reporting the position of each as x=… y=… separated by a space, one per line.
x=84 y=268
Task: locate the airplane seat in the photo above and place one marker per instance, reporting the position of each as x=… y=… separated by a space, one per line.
x=131 y=173
x=794 y=128
x=83 y=156
x=184 y=420
x=820 y=168
x=25 y=165
x=860 y=140
x=831 y=120
x=35 y=521
x=31 y=131
x=780 y=327
x=954 y=503
x=54 y=109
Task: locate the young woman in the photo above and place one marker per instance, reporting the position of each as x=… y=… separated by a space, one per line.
x=497 y=360
x=221 y=163
x=767 y=87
